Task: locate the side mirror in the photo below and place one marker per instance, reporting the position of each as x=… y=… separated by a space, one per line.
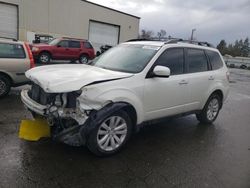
x=161 y=71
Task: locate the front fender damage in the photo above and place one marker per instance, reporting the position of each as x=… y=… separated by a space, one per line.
x=96 y=117
x=78 y=135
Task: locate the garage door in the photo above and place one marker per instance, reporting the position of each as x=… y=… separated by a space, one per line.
x=100 y=34
x=8 y=21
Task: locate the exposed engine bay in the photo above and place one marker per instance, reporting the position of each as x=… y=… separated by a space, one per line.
x=62 y=112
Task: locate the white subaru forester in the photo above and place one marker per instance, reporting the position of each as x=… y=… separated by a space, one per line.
x=101 y=104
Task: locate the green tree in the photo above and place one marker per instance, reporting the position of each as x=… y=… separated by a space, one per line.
x=222 y=47
x=245 y=51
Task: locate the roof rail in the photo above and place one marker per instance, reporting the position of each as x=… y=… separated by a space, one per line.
x=174 y=41
x=73 y=38
x=143 y=39
x=8 y=39
x=200 y=43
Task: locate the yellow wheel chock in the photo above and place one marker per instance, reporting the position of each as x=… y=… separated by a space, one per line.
x=33 y=130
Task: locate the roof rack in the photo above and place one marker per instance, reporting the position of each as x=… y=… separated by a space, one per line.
x=175 y=40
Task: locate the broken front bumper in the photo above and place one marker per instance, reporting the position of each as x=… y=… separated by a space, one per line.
x=31 y=104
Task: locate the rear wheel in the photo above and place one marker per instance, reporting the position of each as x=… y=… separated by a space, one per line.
x=110 y=135
x=5 y=85
x=211 y=110
x=84 y=59
x=44 y=57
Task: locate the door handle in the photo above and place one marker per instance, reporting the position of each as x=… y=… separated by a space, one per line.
x=211 y=78
x=183 y=82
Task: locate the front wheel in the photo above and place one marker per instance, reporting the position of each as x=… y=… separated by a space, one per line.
x=211 y=110
x=44 y=57
x=84 y=59
x=110 y=135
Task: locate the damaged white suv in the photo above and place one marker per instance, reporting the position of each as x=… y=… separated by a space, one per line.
x=101 y=104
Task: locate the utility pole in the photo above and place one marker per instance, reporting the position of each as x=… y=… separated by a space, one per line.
x=192 y=35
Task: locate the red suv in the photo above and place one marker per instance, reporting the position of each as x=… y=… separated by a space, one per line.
x=64 y=49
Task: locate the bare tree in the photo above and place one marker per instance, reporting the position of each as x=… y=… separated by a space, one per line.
x=161 y=34
x=146 y=34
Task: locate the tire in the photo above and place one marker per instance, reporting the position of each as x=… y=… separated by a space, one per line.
x=211 y=110
x=44 y=57
x=5 y=85
x=243 y=67
x=84 y=59
x=105 y=140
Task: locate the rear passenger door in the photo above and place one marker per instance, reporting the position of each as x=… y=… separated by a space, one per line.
x=13 y=60
x=74 y=49
x=200 y=77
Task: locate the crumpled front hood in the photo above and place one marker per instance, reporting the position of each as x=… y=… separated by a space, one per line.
x=67 y=78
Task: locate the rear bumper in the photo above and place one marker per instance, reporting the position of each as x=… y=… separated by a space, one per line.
x=31 y=104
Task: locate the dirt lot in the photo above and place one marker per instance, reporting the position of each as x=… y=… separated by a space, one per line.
x=176 y=153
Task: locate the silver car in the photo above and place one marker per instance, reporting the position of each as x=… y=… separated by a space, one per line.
x=15 y=59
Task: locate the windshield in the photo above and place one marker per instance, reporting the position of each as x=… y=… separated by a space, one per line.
x=126 y=58
x=54 y=42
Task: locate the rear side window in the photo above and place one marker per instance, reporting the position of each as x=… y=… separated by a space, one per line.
x=215 y=59
x=173 y=59
x=88 y=45
x=11 y=51
x=196 y=60
x=74 y=44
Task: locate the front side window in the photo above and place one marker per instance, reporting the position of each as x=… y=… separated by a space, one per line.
x=74 y=44
x=54 y=42
x=64 y=43
x=215 y=59
x=173 y=59
x=11 y=51
x=196 y=60
x=126 y=58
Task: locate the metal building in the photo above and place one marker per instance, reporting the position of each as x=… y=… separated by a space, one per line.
x=21 y=19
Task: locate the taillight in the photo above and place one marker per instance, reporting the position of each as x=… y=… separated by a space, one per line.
x=228 y=74
x=32 y=62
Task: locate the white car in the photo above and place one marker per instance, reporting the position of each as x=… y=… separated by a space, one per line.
x=100 y=105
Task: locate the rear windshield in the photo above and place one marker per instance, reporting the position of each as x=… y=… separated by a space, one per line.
x=126 y=58
x=11 y=51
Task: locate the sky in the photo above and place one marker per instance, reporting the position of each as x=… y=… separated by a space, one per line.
x=213 y=19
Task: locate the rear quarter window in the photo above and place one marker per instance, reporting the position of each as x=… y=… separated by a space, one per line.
x=12 y=51
x=88 y=45
x=215 y=59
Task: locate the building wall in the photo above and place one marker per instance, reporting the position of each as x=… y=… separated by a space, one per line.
x=69 y=18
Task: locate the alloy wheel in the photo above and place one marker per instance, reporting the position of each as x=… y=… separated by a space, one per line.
x=213 y=109
x=112 y=133
x=84 y=60
x=44 y=58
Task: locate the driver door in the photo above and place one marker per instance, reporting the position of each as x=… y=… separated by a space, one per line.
x=167 y=96
x=61 y=50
